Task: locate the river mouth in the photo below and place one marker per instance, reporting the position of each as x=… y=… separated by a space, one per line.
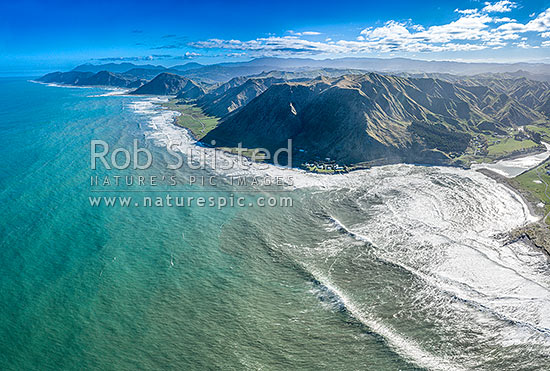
x=517 y=166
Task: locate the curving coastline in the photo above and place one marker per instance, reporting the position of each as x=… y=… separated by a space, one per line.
x=536 y=233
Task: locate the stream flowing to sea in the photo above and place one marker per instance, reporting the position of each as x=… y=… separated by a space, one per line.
x=514 y=167
x=397 y=267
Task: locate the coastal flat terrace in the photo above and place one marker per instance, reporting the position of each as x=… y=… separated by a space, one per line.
x=193 y=118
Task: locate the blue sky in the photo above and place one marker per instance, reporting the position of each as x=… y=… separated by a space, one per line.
x=41 y=36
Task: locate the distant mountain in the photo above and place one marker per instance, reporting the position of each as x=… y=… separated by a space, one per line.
x=517 y=74
x=220 y=104
x=67 y=78
x=187 y=66
x=366 y=117
x=191 y=91
x=294 y=68
x=102 y=78
x=115 y=67
x=221 y=72
x=136 y=69
x=226 y=71
x=105 y=78
x=308 y=73
x=166 y=84
x=218 y=73
x=398 y=65
x=144 y=73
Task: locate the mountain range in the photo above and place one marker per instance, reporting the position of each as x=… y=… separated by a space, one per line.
x=171 y=84
x=340 y=111
x=223 y=72
x=357 y=118
x=102 y=78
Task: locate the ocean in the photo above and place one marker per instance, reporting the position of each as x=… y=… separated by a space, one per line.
x=396 y=267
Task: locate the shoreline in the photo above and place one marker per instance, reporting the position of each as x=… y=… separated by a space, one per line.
x=114 y=90
x=536 y=233
x=525 y=196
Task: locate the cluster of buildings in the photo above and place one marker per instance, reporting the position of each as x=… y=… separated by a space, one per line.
x=324 y=166
x=479 y=144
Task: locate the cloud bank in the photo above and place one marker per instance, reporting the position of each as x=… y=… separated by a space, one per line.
x=474 y=29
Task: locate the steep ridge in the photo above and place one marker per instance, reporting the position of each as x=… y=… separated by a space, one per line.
x=220 y=89
x=191 y=91
x=67 y=78
x=220 y=104
x=101 y=78
x=168 y=84
x=357 y=118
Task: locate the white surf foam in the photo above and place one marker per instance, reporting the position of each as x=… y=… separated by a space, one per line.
x=54 y=85
x=401 y=344
x=112 y=92
x=445 y=234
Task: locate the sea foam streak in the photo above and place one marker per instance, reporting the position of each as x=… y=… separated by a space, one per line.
x=399 y=343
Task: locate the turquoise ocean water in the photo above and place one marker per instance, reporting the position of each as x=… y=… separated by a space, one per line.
x=394 y=268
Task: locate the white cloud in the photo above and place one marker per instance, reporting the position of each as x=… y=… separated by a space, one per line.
x=466 y=11
x=304 y=33
x=471 y=27
x=468 y=27
x=540 y=24
x=499 y=7
x=545 y=44
x=523 y=45
x=235 y=55
x=503 y=19
x=272 y=45
x=391 y=30
x=471 y=31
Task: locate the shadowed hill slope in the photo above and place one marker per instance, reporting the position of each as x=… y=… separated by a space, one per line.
x=357 y=118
